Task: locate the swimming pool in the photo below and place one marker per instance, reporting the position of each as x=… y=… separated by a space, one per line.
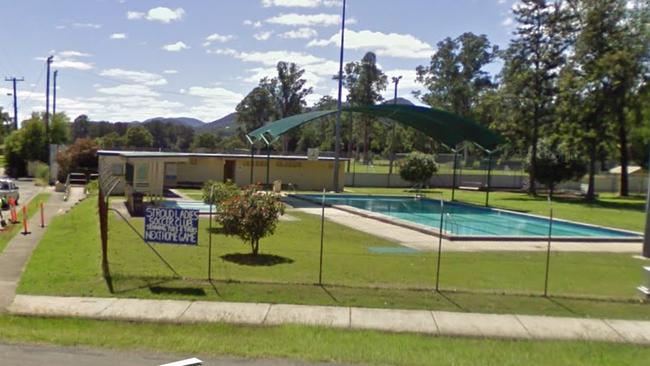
x=462 y=221
x=203 y=208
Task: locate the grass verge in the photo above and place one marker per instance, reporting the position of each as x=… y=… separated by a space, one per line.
x=12 y=229
x=354 y=274
x=314 y=344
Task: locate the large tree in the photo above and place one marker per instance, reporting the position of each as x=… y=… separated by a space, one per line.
x=532 y=63
x=365 y=82
x=80 y=127
x=288 y=93
x=138 y=136
x=598 y=81
x=254 y=110
x=455 y=78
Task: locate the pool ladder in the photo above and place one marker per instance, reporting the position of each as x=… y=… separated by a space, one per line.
x=450 y=223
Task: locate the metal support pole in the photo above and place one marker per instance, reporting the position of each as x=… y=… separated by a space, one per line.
x=548 y=246
x=453 y=180
x=252 y=161
x=15 y=105
x=337 y=140
x=210 y=235
x=56 y=73
x=488 y=181
x=646 y=237
x=268 y=164
x=442 y=214
x=322 y=235
x=47 y=100
x=392 y=138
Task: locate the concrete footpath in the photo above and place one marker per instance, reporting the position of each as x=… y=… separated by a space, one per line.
x=416 y=321
x=17 y=253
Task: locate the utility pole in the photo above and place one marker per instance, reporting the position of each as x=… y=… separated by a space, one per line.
x=15 y=95
x=392 y=138
x=56 y=73
x=47 y=101
x=337 y=140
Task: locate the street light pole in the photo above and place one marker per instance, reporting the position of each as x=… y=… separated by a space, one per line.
x=337 y=139
x=392 y=138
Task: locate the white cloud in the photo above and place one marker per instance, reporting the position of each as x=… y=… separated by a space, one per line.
x=165 y=15
x=134 y=15
x=391 y=44
x=72 y=54
x=170 y=72
x=72 y=64
x=60 y=27
x=130 y=90
x=216 y=37
x=253 y=24
x=300 y=33
x=175 y=47
x=508 y=22
x=131 y=76
x=308 y=20
x=159 y=14
x=300 y=3
x=69 y=60
x=263 y=36
x=215 y=101
x=118 y=36
x=87 y=25
x=271 y=58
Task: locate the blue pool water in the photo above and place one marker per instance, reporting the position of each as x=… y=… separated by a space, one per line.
x=467 y=220
x=189 y=205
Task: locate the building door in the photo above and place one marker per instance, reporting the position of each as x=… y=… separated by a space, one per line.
x=170 y=175
x=229 y=170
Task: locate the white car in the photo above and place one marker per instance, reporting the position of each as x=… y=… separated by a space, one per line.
x=8 y=189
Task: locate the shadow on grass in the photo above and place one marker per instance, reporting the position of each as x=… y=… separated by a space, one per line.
x=248 y=259
x=185 y=291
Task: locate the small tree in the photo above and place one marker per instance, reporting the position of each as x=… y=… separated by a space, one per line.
x=251 y=216
x=553 y=167
x=418 y=168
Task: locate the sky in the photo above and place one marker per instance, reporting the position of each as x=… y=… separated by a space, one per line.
x=127 y=60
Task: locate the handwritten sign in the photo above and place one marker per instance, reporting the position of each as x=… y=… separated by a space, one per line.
x=171 y=225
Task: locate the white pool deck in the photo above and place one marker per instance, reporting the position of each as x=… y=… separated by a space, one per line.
x=426 y=242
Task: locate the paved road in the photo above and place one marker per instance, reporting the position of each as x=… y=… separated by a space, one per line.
x=27 y=355
x=27 y=190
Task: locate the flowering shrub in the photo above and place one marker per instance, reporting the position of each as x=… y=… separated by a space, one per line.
x=251 y=215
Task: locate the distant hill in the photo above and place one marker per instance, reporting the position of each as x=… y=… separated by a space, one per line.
x=183 y=121
x=225 y=124
x=400 y=101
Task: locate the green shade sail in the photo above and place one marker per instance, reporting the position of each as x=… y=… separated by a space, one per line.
x=447 y=128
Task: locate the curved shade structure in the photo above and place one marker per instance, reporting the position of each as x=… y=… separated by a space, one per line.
x=447 y=128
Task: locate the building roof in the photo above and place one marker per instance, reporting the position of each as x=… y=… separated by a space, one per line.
x=160 y=154
x=445 y=127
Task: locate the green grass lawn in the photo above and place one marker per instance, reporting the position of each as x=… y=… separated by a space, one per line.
x=382 y=167
x=314 y=344
x=12 y=229
x=608 y=210
x=353 y=274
